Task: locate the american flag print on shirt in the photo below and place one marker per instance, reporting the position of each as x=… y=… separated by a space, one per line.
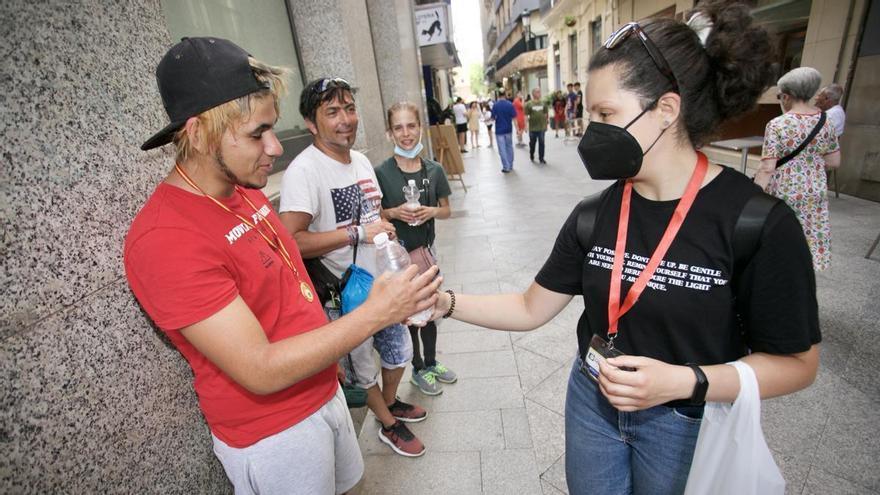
x=345 y=200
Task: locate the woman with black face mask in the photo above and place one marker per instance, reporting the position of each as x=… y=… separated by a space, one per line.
x=683 y=265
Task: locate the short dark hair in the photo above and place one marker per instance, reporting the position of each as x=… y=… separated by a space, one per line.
x=569 y=84
x=312 y=96
x=716 y=82
x=577 y=83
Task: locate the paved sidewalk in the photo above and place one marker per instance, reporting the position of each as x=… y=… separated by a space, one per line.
x=500 y=429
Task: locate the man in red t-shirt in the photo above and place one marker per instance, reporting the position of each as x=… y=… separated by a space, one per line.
x=211 y=264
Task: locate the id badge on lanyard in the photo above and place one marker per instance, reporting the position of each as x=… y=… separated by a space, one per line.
x=601 y=349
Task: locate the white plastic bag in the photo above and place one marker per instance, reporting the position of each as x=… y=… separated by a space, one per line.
x=731 y=456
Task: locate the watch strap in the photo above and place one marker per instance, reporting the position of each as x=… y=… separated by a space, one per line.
x=698 y=397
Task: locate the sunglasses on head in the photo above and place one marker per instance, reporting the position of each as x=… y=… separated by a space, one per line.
x=330 y=83
x=619 y=36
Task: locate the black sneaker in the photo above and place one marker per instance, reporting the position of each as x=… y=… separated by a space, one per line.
x=407 y=412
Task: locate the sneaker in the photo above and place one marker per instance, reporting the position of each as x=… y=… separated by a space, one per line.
x=401 y=440
x=543 y=162
x=425 y=381
x=443 y=374
x=407 y=413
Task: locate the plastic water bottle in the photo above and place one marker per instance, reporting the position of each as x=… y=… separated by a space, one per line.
x=411 y=193
x=392 y=257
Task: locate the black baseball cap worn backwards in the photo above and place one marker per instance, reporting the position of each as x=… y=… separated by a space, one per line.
x=196 y=75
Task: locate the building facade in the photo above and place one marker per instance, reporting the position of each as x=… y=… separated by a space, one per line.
x=515 y=48
x=834 y=37
x=438 y=55
x=94 y=397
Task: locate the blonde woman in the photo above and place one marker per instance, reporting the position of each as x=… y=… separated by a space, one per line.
x=473 y=117
x=415 y=228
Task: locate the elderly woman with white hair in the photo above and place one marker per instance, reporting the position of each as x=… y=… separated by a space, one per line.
x=799 y=146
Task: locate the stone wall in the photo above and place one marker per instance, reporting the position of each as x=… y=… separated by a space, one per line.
x=94 y=399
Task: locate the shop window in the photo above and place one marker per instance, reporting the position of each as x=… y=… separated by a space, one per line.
x=264 y=30
x=792 y=49
x=786 y=21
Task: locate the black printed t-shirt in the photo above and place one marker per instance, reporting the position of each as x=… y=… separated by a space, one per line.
x=688 y=313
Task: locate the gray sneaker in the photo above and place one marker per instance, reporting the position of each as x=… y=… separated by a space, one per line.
x=443 y=374
x=426 y=382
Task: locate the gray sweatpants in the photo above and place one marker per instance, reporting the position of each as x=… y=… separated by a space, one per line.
x=318 y=455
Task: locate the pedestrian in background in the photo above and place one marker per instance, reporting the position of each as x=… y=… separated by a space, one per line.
x=655 y=96
x=558 y=113
x=473 y=117
x=570 y=109
x=503 y=114
x=801 y=181
x=415 y=228
x=461 y=120
x=578 y=109
x=520 y=119
x=537 y=113
x=488 y=120
x=828 y=100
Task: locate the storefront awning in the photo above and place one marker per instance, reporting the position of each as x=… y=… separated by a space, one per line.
x=440 y=56
x=535 y=59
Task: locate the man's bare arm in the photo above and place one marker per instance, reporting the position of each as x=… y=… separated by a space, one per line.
x=235 y=342
x=312 y=244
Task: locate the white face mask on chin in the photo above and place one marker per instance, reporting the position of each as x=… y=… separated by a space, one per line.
x=411 y=153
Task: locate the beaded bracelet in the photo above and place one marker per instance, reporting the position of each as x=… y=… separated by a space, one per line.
x=451 y=303
x=352 y=232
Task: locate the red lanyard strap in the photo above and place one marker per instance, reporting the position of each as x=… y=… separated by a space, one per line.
x=277 y=246
x=615 y=311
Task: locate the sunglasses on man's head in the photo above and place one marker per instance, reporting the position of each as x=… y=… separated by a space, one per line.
x=330 y=83
x=619 y=36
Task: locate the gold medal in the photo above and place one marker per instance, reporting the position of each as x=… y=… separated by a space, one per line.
x=306 y=291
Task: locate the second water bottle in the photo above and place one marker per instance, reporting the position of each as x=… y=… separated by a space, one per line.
x=392 y=257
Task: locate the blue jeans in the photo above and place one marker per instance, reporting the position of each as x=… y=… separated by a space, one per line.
x=539 y=137
x=646 y=452
x=505 y=150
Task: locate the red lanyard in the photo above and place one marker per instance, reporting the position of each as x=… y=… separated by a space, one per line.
x=615 y=311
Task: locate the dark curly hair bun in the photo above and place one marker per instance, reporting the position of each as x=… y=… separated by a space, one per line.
x=716 y=82
x=740 y=55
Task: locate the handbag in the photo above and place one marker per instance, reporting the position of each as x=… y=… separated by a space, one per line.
x=423 y=258
x=787 y=158
x=422 y=255
x=731 y=456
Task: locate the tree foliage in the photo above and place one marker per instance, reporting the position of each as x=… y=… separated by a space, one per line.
x=476 y=77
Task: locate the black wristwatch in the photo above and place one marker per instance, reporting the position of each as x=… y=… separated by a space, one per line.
x=698 y=398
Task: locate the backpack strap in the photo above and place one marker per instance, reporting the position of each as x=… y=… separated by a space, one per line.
x=748 y=228
x=586 y=220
